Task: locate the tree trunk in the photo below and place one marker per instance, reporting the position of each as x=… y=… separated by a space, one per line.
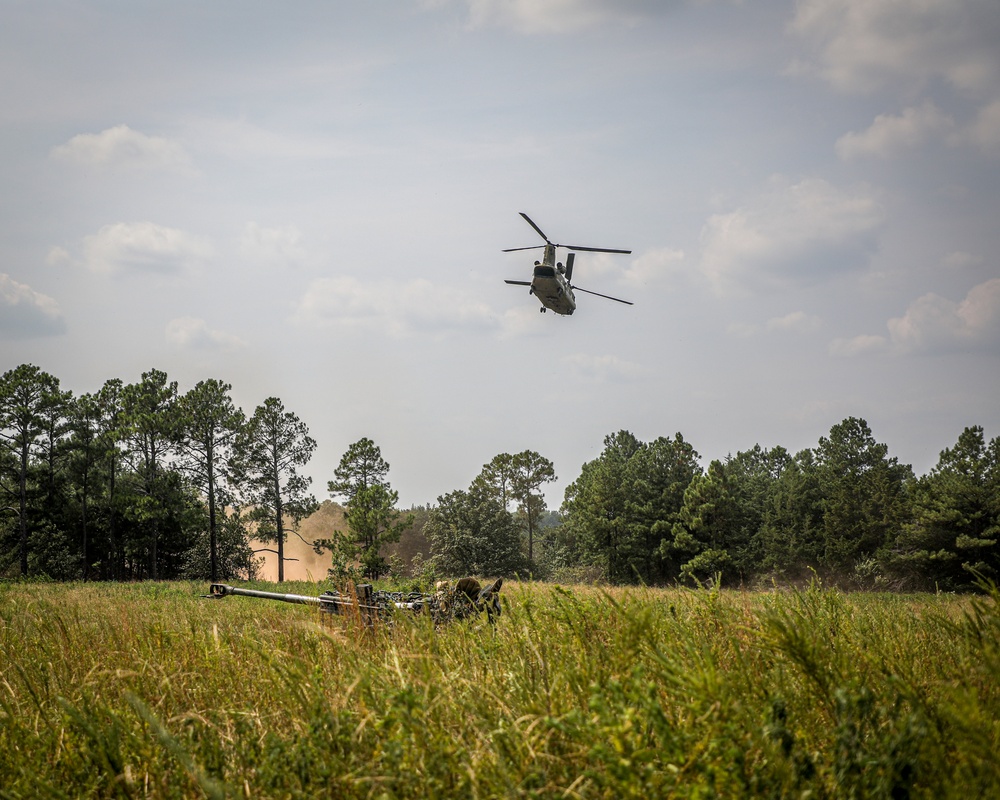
x=212 y=538
x=23 y=507
x=279 y=531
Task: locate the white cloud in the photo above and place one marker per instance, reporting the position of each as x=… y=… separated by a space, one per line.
x=25 y=313
x=794 y=233
x=57 y=256
x=795 y=322
x=194 y=333
x=858 y=345
x=143 y=247
x=663 y=264
x=935 y=324
x=605 y=368
x=961 y=260
x=862 y=45
x=889 y=133
x=743 y=329
x=272 y=245
x=396 y=308
x=984 y=131
x=242 y=140
x=560 y=16
x=121 y=145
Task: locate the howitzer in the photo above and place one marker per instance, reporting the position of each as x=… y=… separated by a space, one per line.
x=466 y=598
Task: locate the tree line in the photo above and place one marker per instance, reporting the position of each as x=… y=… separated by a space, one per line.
x=141 y=481
x=647 y=512
x=845 y=510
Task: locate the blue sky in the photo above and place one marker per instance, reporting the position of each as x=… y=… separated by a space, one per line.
x=309 y=200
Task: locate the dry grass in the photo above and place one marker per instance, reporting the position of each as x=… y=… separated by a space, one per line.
x=147 y=690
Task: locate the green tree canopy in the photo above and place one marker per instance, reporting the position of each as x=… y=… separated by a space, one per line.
x=472 y=533
x=361 y=480
x=708 y=525
x=624 y=505
x=955 y=528
x=790 y=538
x=26 y=394
x=210 y=424
x=863 y=494
x=149 y=431
x=518 y=478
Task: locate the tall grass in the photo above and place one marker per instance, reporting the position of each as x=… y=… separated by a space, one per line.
x=147 y=690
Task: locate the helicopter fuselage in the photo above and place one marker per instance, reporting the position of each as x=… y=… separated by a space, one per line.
x=550 y=286
x=553 y=291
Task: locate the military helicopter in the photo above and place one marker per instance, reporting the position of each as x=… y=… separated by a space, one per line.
x=551 y=282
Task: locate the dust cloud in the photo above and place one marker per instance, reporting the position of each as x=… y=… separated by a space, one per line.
x=308 y=566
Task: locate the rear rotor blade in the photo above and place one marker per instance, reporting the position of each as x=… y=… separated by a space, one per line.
x=518 y=283
x=515 y=249
x=605 y=296
x=533 y=225
x=593 y=249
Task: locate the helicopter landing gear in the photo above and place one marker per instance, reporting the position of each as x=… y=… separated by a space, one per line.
x=542 y=309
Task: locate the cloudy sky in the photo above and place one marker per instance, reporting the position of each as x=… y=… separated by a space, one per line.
x=308 y=200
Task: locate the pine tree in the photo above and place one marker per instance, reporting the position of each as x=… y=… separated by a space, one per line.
x=269 y=451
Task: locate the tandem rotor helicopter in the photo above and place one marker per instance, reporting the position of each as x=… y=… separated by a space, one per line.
x=551 y=281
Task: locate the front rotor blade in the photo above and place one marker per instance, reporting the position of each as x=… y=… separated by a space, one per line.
x=593 y=249
x=515 y=249
x=605 y=296
x=518 y=283
x=533 y=225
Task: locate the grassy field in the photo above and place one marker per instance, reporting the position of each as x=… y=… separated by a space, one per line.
x=146 y=690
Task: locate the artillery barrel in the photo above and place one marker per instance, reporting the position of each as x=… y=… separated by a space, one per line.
x=223 y=590
x=361 y=601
